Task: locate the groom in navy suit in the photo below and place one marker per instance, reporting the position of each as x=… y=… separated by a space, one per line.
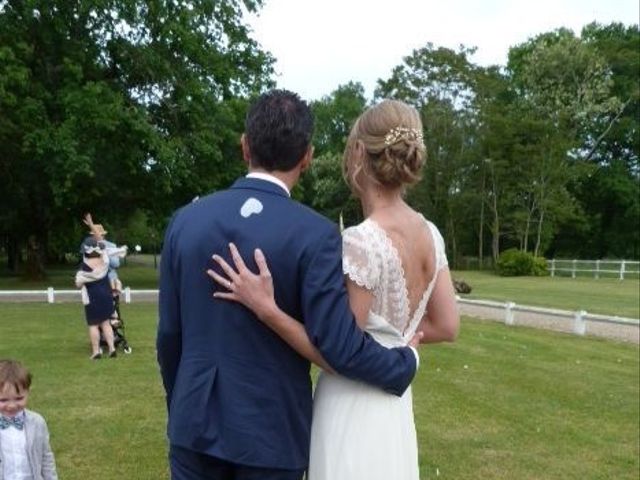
x=239 y=398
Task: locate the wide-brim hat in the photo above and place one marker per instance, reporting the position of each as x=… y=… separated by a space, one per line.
x=97 y=229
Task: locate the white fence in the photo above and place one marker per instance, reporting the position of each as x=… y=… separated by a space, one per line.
x=595 y=268
x=50 y=295
x=578 y=322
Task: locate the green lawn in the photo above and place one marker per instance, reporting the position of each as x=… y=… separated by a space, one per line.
x=501 y=403
x=605 y=296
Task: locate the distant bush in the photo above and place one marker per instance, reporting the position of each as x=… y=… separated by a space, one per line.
x=514 y=262
x=539 y=267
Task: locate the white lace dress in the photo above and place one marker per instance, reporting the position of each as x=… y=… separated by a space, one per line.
x=360 y=432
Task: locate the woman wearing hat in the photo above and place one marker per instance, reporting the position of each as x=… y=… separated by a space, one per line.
x=93 y=280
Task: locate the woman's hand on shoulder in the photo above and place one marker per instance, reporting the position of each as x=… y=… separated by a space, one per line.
x=254 y=291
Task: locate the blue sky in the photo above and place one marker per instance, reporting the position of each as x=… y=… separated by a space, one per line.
x=320 y=44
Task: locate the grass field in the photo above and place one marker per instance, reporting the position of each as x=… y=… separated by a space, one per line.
x=606 y=295
x=501 y=403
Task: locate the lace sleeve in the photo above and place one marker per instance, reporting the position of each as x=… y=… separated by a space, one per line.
x=358 y=260
x=438 y=244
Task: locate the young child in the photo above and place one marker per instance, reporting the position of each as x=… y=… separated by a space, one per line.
x=24 y=437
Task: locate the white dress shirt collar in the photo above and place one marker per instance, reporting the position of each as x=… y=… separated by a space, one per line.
x=269 y=178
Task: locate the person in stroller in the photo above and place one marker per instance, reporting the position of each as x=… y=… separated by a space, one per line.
x=116 y=321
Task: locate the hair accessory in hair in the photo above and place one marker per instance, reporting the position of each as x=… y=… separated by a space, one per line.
x=402 y=133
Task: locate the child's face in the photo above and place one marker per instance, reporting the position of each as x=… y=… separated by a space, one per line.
x=12 y=402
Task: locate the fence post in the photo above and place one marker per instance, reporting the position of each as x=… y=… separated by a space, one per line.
x=50 y=295
x=579 y=325
x=573 y=268
x=597 y=274
x=127 y=295
x=553 y=267
x=508 y=313
x=622 y=270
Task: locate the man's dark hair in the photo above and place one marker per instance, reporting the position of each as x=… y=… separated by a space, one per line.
x=278 y=129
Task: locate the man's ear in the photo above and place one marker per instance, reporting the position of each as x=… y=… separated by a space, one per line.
x=246 y=152
x=306 y=160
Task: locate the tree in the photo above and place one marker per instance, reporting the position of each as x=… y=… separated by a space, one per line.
x=439 y=82
x=490 y=181
x=331 y=195
x=619 y=133
x=334 y=115
x=112 y=106
x=325 y=189
x=611 y=194
x=608 y=191
x=563 y=83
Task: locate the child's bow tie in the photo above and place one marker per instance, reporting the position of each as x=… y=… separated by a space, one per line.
x=6 y=422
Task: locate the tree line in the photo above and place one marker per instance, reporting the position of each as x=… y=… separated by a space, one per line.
x=541 y=154
x=128 y=109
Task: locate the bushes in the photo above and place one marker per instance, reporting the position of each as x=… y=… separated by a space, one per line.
x=539 y=267
x=514 y=262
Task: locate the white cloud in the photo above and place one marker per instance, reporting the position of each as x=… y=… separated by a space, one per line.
x=320 y=44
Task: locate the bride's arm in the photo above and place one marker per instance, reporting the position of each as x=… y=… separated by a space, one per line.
x=360 y=301
x=442 y=321
x=256 y=293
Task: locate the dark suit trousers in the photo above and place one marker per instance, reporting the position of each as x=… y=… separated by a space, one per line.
x=189 y=465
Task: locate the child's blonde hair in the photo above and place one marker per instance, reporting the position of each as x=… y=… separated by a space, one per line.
x=14 y=373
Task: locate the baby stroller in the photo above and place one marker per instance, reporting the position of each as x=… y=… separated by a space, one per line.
x=117 y=325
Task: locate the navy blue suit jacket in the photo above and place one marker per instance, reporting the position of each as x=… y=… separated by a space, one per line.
x=234 y=389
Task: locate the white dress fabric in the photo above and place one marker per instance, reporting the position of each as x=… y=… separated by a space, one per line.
x=360 y=432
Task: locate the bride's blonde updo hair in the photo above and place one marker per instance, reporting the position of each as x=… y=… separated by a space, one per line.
x=394 y=152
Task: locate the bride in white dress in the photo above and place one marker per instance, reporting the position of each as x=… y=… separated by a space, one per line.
x=399 y=286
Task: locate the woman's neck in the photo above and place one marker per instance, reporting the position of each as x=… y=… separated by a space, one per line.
x=377 y=199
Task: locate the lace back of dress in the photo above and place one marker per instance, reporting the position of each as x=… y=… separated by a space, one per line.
x=372 y=261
